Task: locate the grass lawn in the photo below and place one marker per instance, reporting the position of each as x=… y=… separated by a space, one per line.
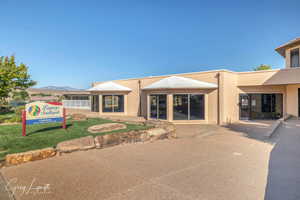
x=6 y=116
x=48 y=135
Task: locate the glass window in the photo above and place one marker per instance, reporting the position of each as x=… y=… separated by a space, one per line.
x=158 y=106
x=188 y=107
x=262 y=106
x=295 y=58
x=153 y=106
x=180 y=107
x=196 y=107
x=113 y=103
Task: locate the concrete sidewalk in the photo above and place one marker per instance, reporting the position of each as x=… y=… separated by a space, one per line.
x=284 y=164
x=4 y=194
x=221 y=165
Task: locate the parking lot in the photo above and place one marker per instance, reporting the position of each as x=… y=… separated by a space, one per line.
x=210 y=163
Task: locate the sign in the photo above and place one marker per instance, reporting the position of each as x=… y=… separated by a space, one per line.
x=41 y=113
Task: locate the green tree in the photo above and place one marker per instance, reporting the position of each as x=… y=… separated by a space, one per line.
x=20 y=95
x=13 y=77
x=262 y=67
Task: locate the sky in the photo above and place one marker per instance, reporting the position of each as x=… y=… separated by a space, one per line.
x=77 y=42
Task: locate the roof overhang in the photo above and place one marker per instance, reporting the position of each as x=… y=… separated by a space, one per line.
x=281 y=49
x=177 y=82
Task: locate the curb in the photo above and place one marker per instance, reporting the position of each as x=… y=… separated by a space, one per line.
x=277 y=124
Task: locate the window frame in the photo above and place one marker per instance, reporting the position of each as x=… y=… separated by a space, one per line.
x=157 y=102
x=189 y=106
x=113 y=110
x=291 y=57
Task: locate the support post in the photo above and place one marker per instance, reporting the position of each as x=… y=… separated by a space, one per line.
x=64 y=119
x=23 y=123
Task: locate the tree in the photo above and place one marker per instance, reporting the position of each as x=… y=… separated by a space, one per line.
x=20 y=95
x=13 y=78
x=262 y=67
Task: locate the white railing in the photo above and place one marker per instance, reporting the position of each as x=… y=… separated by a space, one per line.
x=77 y=104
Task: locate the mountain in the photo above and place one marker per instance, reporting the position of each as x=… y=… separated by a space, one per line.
x=59 y=88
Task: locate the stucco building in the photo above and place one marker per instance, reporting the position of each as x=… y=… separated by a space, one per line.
x=216 y=97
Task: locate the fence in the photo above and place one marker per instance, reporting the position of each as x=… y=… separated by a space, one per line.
x=78 y=104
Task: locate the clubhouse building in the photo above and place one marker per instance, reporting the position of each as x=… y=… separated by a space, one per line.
x=214 y=97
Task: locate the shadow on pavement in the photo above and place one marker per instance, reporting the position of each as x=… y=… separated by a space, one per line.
x=284 y=165
x=257 y=130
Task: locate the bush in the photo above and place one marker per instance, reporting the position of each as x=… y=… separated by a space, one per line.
x=15 y=118
x=19 y=109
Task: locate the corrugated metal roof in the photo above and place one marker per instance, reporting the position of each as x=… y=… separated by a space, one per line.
x=109 y=86
x=176 y=82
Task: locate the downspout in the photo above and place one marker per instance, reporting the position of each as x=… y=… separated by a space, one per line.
x=219 y=101
x=140 y=98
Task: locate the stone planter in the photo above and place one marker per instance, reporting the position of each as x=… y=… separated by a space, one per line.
x=161 y=130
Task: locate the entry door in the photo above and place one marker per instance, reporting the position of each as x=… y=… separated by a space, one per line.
x=95 y=103
x=244 y=107
x=158 y=106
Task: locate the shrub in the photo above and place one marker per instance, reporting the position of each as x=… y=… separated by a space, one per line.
x=19 y=109
x=15 y=118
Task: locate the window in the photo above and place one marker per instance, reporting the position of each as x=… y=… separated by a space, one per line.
x=158 y=106
x=113 y=103
x=295 y=58
x=261 y=106
x=188 y=107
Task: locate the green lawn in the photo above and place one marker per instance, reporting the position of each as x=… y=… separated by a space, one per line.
x=6 y=116
x=48 y=135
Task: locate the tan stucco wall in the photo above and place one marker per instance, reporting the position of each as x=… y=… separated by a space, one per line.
x=222 y=104
x=292 y=99
x=228 y=98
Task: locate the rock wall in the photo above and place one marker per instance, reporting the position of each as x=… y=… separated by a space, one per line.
x=18 y=158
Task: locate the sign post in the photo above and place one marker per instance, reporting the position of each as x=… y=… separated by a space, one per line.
x=64 y=126
x=41 y=113
x=23 y=122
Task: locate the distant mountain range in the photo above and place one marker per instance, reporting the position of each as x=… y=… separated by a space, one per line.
x=59 y=88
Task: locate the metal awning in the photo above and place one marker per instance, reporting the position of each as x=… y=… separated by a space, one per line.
x=110 y=86
x=177 y=82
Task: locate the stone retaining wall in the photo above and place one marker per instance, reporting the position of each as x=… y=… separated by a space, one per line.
x=160 y=130
x=18 y=158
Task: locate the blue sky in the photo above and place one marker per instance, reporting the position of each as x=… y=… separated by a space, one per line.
x=76 y=42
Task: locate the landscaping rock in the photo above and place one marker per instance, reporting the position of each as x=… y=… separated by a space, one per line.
x=79 y=117
x=83 y=143
x=157 y=133
x=18 y=158
x=168 y=126
x=106 y=127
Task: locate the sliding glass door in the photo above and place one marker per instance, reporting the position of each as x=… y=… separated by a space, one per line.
x=95 y=103
x=158 y=106
x=261 y=106
x=188 y=107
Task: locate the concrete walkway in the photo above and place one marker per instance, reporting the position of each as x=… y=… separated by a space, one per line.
x=4 y=194
x=284 y=164
x=218 y=165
